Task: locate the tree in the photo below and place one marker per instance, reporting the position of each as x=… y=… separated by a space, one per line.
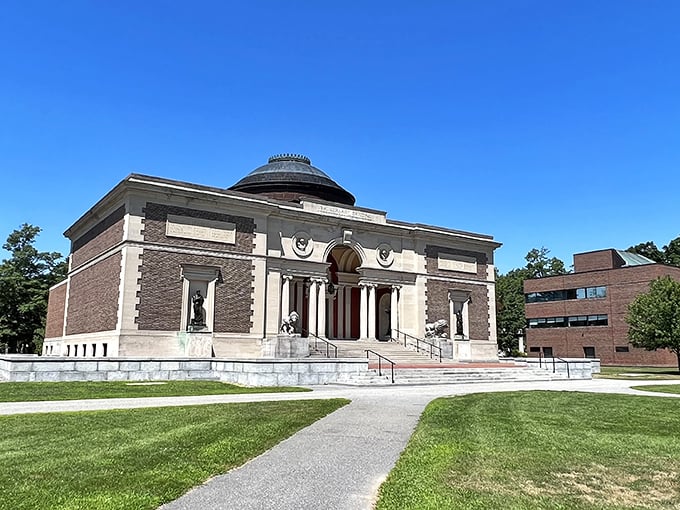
x=654 y=317
x=510 y=316
x=25 y=280
x=671 y=252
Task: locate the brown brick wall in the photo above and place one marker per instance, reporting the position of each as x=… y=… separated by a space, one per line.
x=438 y=306
x=93 y=297
x=98 y=239
x=54 y=325
x=160 y=294
x=432 y=253
x=623 y=285
x=156 y=215
x=594 y=260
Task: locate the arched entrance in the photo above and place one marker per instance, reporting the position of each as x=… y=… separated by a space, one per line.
x=343 y=293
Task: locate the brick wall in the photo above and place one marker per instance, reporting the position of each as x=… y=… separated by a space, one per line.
x=437 y=300
x=432 y=253
x=54 y=325
x=160 y=294
x=594 y=260
x=156 y=215
x=93 y=297
x=98 y=239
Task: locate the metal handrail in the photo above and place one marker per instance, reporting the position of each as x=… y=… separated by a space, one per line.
x=328 y=344
x=540 y=363
x=381 y=357
x=418 y=342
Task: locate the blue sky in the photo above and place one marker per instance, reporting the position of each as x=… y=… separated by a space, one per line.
x=542 y=123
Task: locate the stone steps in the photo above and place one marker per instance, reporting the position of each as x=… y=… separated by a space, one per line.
x=449 y=375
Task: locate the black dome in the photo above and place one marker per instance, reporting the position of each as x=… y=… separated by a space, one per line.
x=292 y=177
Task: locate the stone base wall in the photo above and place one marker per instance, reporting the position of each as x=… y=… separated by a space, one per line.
x=579 y=368
x=256 y=372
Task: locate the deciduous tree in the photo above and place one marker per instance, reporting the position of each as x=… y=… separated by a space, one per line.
x=654 y=317
x=25 y=279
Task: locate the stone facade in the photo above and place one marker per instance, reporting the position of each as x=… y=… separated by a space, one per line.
x=350 y=272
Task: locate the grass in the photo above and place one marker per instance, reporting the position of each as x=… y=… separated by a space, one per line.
x=660 y=388
x=35 y=391
x=540 y=450
x=638 y=373
x=136 y=459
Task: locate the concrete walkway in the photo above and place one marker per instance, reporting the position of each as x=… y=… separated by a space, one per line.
x=336 y=463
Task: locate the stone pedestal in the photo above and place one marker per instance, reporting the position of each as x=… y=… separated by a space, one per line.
x=198 y=345
x=462 y=350
x=285 y=346
x=446 y=347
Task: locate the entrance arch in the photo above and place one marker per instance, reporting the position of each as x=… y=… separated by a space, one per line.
x=343 y=293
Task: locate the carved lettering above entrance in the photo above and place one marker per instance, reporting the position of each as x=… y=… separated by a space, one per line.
x=200 y=229
x=449 y=262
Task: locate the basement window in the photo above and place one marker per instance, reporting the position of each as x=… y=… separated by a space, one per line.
x=589 y=352
x=622 y=348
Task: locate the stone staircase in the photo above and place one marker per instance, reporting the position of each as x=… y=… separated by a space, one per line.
x=413 y=367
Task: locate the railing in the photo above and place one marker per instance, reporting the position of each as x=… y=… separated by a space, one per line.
x=381 y=357
x=554 y=368
x=328 y=345
x=418 y=342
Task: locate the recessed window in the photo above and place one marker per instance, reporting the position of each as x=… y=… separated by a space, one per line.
x=547 y=351
x=534 y=349
x=589 y=352
x=622 y=348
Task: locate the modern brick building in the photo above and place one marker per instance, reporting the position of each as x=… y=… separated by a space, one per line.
x=582 y=314
x=285 y=237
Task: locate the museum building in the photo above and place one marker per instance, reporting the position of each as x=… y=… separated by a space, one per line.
x=162 y=268
x=583 y=314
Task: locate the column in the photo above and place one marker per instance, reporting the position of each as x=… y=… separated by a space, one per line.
x=363 y=309
x=312 y=307
x=371 y=311
x=340 y=333
x=321 y=309
x=394 y=311
x=285 y=296
x=348 y=312
x=300 y=286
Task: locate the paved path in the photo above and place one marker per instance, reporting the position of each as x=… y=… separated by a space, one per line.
x=336 y=463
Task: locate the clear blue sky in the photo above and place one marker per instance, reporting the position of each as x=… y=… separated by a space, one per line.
x=542 y=123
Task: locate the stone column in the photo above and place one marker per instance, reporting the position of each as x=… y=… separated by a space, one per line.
x=394 y=311
x=321 y=309
x=285 y=296
x=363 y=312
x=340 y=333
x=348 y=312
x=300 y=286
x=313 y=302
x=371 y=311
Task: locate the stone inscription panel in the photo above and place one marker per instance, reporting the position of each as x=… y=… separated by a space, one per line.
x=201 y=229
x=448 y=262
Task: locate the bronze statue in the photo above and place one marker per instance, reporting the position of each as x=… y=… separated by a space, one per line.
x=197 y=302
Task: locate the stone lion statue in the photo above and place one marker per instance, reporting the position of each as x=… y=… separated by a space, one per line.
x=289 y=324
x=437 y=329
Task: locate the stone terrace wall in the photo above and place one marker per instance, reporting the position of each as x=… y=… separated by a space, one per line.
x=247 y=372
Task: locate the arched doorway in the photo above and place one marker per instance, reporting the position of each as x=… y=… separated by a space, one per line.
x=343 y=293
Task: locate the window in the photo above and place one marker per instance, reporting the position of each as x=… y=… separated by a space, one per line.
x=534 y=349
x=622 y=348
x=589 y=352
x=562 y=295
x=597 y=320
x=579 y=320
x=571 y=322
x=547 y=351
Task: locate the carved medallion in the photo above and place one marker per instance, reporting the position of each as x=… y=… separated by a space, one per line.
x=384 y=254
x=303 y=244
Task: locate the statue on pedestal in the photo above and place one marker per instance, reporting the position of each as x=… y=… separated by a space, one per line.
x=437 y=329
x=197 y=303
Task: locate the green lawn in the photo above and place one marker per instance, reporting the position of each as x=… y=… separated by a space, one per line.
x=136 y=459
x=32 y=391
x=540 y=450
x=638 y=373
x=660 y=388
